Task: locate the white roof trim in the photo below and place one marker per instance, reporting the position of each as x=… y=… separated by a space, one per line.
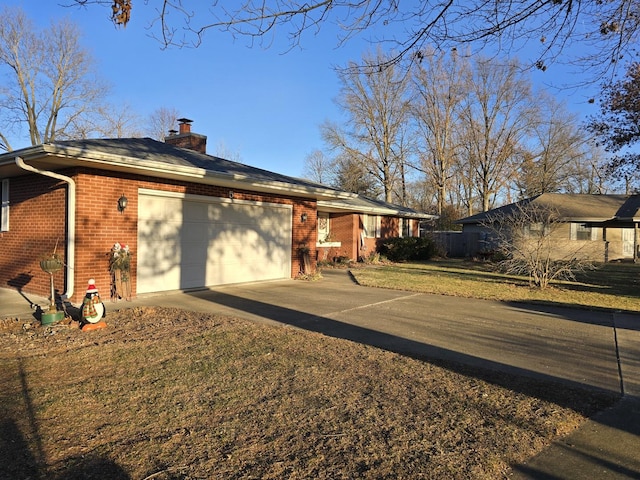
x=337 y=206
x=74 y=156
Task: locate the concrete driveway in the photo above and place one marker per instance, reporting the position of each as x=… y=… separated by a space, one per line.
x=576 y=347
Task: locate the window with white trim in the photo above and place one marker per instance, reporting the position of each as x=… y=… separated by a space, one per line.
x=536 y=229
x=405 y=227
x=4 y=205
x=371 y=225
x=584 y=231
x=323 y=227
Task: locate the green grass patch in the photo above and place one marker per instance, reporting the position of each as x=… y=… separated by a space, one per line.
x=614 y=286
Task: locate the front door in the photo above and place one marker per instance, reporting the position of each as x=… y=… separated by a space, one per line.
x=628 y=242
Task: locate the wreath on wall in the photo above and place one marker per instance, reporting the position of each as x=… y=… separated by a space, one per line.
x=120 y=268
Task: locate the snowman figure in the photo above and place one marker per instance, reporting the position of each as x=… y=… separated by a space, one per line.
x=93 y=310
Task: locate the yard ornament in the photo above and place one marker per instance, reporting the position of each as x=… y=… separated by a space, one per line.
x=93 y=310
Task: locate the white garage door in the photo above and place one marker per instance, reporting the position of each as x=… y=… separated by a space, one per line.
x=190 y=241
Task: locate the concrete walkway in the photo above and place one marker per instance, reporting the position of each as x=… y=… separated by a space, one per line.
x=575 y=347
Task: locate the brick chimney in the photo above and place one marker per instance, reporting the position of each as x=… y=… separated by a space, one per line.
x=185 y=138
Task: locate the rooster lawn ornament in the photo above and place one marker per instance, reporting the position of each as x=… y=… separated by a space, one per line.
x=93 y=310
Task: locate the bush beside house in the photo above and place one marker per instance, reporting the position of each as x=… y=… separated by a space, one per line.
x=404 y=249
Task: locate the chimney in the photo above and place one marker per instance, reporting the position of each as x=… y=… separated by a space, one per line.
x=185 y=138
x=185 y=125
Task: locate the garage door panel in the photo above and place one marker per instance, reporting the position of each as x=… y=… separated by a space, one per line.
x=185 y=243
x=196 y=212
x=168 y=209
x=195 y=232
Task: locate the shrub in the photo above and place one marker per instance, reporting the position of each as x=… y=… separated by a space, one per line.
x=374 y=258
x=408 y=248
x=528 y=243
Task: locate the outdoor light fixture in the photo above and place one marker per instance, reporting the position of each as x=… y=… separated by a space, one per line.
x=303 y=217
x=122 y=203
x=231 y=194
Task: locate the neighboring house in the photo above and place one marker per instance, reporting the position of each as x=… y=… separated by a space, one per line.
x=192 y=220
x=604 y=227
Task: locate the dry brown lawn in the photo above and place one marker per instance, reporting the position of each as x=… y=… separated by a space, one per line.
x=168 y=394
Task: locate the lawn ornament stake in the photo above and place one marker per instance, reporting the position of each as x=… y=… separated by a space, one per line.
x=93 y=310
x=51 y=264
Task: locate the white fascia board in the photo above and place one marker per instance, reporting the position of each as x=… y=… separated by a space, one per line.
x=327 y=205
x=105 y=161
x=587 y=219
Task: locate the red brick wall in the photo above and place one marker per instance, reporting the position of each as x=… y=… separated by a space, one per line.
x=389 y=227
x=36 y=223
x=99 y=225
x=305 y=234
x=346 y=228
x=192 y=141
x=343 y=228
x=415 y=228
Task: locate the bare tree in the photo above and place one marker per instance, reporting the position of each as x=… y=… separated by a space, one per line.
x=440 y=84
x=222 y=150
x=421 y=195
x=119 y=121
x=495 y=118
x=377 y=108
x=351 y=176
x=51 y=85
x=591 y=175
x=555 y=146
x=482 y=139
x=531 y=238
x=319 y=168
x=161 y=121
x=605 y=30
x=105 y=121
x=463 y=185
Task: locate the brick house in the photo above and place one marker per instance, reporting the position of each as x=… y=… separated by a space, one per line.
x=191 y=220
x=355 y=227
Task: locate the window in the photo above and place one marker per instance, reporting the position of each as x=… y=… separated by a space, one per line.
x=583 y=231
x=4 y=205
x=537 y=229
x=371 y=224
x=323 y=227
x=405 y=227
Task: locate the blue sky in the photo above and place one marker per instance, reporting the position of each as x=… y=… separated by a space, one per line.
x=264 y=105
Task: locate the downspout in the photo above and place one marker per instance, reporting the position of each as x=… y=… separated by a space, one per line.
x=71 y=221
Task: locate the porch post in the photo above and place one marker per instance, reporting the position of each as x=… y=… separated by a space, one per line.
x=635 y=243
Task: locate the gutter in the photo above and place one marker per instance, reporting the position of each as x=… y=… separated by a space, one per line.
x=70 y=259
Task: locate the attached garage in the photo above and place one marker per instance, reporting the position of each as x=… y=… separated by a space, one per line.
x=191 y=220
x=190 y=241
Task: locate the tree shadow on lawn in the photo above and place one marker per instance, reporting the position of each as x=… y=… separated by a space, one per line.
x=586 y=399
x=603 y=276
x=481 y=275
x=562 y=391
x=18 y=460
x=598 y=281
